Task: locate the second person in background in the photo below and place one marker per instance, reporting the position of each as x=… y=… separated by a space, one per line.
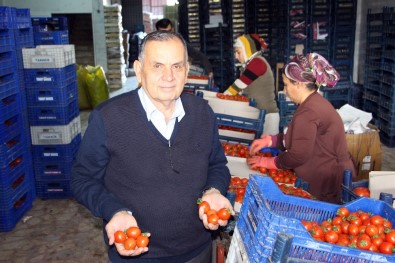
x=195 y=56
x=256 y=79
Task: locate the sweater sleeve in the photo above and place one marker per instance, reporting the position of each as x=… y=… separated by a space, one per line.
x=254 y=69
x=88 y=171
x=218 y=173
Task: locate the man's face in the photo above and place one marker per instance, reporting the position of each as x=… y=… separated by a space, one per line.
x=239 y=55
x=164 y=71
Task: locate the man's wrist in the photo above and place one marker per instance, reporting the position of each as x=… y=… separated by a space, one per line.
x=210 y=190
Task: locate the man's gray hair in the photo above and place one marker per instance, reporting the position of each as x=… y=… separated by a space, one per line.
x=161 y=36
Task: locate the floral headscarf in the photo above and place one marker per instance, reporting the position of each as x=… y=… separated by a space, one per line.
x=312 y=68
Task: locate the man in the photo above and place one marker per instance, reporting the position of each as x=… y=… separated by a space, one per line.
x=148 y=155
x=196 y=56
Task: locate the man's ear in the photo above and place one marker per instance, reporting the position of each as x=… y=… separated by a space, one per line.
x=137 y=70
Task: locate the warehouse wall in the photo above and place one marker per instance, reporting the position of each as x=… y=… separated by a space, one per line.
x=94 y=7
x=360 y=34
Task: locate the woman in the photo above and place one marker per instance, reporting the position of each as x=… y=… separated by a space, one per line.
x=315 y=142
x=256 y=79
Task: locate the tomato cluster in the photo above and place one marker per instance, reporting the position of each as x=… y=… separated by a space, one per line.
x=295 y=191
x=213 y=215
x=238 y=186
x=235 y=149
x=132 y=238
x=232 y=97
x=279 y=175
x=357 y=229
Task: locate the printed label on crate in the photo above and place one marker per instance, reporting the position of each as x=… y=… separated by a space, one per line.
x=44 y=79
x=50 y=136
x=50 y=154
x=45 y=98
x=42 y=60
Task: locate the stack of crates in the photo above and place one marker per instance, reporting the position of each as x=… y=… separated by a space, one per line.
x=52 y=100
x=16 y=177
x=50 y=30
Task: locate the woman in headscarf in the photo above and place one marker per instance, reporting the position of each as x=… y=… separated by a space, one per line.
x=315 y=142
x=256 y=79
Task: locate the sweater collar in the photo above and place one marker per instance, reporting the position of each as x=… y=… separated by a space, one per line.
x=150 y=108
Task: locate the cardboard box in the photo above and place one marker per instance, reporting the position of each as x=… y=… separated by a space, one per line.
x=366 y=150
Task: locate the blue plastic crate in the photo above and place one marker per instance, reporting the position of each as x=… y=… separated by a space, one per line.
x=53 y=189
x=387 y=140
x=14 y=164
x=14 y=193
x=49 y=23
x=13 y=179
x=11 y=148
x=266 y=212
x=243 y=123
x=51 y=96
x=386 y=127
x=21 y=18
x=10 y=217
x=10 y=124
x=7 y=63
x=54 y=78
x=55 y=153
x=52 y=170
x=51 y=38
x=8 y=85
x=5 y=17
x=6 y=40
x=23 y=38
x=53 y=115
x=287 y=107
x=9 y=105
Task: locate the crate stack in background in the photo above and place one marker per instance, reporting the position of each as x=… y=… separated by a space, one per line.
x=50 y=31
x=116 y=73
x=16 y=177
x=53 y=112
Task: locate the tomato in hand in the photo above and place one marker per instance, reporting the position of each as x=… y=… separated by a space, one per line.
x=130 y=244
x=204 y=204
x=133 y=232
x=223 y=214
x=119 y=236
x=142 y=241
x=213 y=219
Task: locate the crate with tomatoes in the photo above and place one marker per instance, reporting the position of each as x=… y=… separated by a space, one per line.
x=359 y=231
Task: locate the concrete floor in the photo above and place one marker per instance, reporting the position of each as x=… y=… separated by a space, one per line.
x=64 y=231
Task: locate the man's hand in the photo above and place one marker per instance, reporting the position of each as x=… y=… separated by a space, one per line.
x=122 y=221
x=216 y=201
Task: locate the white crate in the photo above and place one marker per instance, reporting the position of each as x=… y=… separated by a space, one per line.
x=237 y=252
x=56 y=134
x=48 y=56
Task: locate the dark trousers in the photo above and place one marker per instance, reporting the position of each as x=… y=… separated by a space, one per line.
x=203 y=257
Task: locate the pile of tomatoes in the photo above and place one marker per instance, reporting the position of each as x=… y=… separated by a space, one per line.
x=235 y=149
x=229 y=128
x=132 y=238
x=279 y=175
x=233 y=97
x=362 y=191
x=357 y=229
x=213 y=215
x=238 y=186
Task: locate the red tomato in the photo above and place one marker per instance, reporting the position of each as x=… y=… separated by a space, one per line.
x=343 y=212
x=362 y=191
x=133 y=232
x=331 y=237
x=142 y=241
x=364 y=242
x=204 y=204
x=119 y=236
x=317 y=232
x=386 y=248
x=371 y=230
x=130 y=244
x=307 y=224
x=213 y=219
x=223 y=214
x=390 y=237
x=377 y=220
